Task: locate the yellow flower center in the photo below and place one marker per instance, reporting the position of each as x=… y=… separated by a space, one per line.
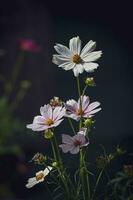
x=48 y=122
x=76 y=59
x=79 y=111
x=39 y=176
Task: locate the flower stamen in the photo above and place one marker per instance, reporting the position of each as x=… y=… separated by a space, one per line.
x=77 y=142
x=39 y=176
x=48 y=122
x=76 y=59
x=79 y=111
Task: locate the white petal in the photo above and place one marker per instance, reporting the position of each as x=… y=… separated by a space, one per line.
x=89 y=67
x=59 y=59
x=93 y=56
x=76 y=72
x=89 y=47
x=63 y=50
x=47 y=170
x=67 y=65
x=31 y=182
x=75 y=45
x=80 y=68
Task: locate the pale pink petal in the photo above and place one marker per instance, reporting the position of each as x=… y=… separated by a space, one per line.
x=49 y=112
x=82 y=131
x=94 y=111
x=38 y=120
x=89 y=47
x=92 y=106
x=75 y=45
x=56 y=123
x=67 y=139
x=36 y=127
x=93 y=56
x=79 y=137
x=66 y=147
x=58 y=113
x=75 y=150
x=73 y=116
x=63 y=50
x=44 y=111
x=84 y=101
x=71 y=105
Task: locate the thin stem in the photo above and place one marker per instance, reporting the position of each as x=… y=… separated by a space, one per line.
x=79 y=93
x=60 y=166
x=84 y=90
x=97 y=182
x=84 y=177
x=71 y=125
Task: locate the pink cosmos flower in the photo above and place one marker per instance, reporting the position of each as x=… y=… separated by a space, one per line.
x=49 y=118
x=73 y=144
x=28 y=45
x=87 y=110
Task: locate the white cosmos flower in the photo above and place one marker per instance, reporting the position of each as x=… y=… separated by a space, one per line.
x=40 y=176
x=76 y=59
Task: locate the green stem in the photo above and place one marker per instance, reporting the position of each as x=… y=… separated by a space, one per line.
x=83 y=170
x=79 y=93
x=84 y=177
x=71 y=125
x=96 y=185
x=84 y=90
x=60 y=168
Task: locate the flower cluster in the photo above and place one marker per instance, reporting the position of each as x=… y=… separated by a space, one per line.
x=82 y=111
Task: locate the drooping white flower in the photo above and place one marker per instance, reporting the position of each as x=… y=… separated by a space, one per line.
x=40 y=176
x=85 y=110
x=73 y=144
x=50 y=117
x=76 y=59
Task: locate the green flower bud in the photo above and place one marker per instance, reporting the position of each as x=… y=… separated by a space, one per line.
x=48 y=134
x=90 y=81
x=55 y=164
x=88 y=123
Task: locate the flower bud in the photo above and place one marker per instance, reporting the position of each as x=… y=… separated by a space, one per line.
x=55 y=164
x=39 y=158
x=88 y=123
x=48 y=134
x=90 y=81
x=55 y=102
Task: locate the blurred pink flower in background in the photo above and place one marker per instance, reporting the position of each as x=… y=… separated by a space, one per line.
x=28 y=45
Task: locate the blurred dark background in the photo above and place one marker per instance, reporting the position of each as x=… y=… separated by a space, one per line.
x=109 y=23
